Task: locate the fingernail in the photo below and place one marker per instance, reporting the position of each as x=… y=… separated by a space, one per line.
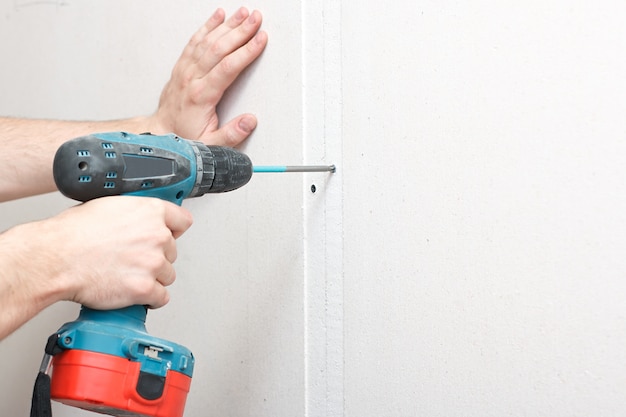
x=259 y=38
x=217 y=15
x=252 y=18
x=241 y=13
x=247 y=124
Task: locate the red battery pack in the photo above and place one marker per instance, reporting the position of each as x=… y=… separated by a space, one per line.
x=108 y=384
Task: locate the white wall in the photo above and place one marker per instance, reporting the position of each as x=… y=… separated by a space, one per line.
x=466 y=258
x=484 y=208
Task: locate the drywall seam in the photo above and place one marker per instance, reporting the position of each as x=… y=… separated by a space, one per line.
x=323 y=243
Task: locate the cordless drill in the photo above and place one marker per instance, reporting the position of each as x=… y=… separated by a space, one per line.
x=105 y=361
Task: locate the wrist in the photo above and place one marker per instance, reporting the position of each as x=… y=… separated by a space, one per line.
x=139 y=124
x=155 y=126
x=28 y=277
x=35 y=264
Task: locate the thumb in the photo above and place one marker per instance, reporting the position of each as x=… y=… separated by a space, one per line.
x=232 y=133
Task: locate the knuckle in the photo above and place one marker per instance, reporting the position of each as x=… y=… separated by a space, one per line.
x=185 y=77
x=227 y=65
x=154 y=264
x=163 y=237
x=161 y=264
x=152 y=205
x=164 y=299
x=142 y=290
x=188 y=220
x=252 y=48
x=173 y=255
x=197 y=37
x=159 y=300
x=172 y=277
x=216 y=49
x=196 y=92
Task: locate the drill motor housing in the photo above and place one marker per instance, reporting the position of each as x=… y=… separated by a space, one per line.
x=166 y=167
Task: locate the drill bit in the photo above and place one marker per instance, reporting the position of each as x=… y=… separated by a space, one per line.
x=294 y=168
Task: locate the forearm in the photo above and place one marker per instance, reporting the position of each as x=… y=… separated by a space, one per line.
x=28 y=280
x=29 y=145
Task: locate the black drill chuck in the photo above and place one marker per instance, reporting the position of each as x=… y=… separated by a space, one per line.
x=223 y=169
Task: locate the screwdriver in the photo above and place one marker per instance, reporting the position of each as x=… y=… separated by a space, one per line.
x=294 y=168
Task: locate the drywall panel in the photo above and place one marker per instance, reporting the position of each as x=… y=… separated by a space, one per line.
x=484 y=208
x=238 y=302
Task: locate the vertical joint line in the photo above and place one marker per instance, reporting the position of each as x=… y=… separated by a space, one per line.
x=323 y=246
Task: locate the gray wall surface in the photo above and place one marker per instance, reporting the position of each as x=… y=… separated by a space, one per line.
x=465 y=260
